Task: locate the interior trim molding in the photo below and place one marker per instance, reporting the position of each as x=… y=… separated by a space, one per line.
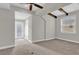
x=55 y=38
x=30 y=41
x=43 y=40
x=67 y=40
x=6 y=47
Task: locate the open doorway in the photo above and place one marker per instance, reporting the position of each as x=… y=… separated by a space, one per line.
x=19 y=29
x=21 y=26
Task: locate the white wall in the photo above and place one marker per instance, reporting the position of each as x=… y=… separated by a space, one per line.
x=43 y=28
x=7 y=33
x=38 y=31
x=37 y=28
x=50 y=27
x=53 y=28
x=68 y=36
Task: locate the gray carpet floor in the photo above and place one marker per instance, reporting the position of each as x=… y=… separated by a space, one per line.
x=23 y=47
x=61 y=46
x=50 y=47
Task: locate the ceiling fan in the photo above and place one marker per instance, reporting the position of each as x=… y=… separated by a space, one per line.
x=41 y=7
x=34 y=4
x=62 y=10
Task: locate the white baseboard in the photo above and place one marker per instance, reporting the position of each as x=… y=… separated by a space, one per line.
x=30 y=41
x=56 y=38
x=5 y=47
x=67 y=40
x=42 y=40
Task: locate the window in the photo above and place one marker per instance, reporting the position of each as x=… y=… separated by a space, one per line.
x=68 y=24
x=19 y=29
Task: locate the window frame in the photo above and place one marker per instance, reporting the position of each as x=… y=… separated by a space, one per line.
x=74 y=24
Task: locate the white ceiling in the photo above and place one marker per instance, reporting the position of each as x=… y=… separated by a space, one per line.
x=47 y=6
x=57 y=13
x=55 y=6
x=50 y=7
x=26 y=6
x=34 y=7
x=69 y=9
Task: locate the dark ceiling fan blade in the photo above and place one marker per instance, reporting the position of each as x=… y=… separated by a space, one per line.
x=63 y=11
x=30 y=7
x=41 y=7
x=52 y=15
